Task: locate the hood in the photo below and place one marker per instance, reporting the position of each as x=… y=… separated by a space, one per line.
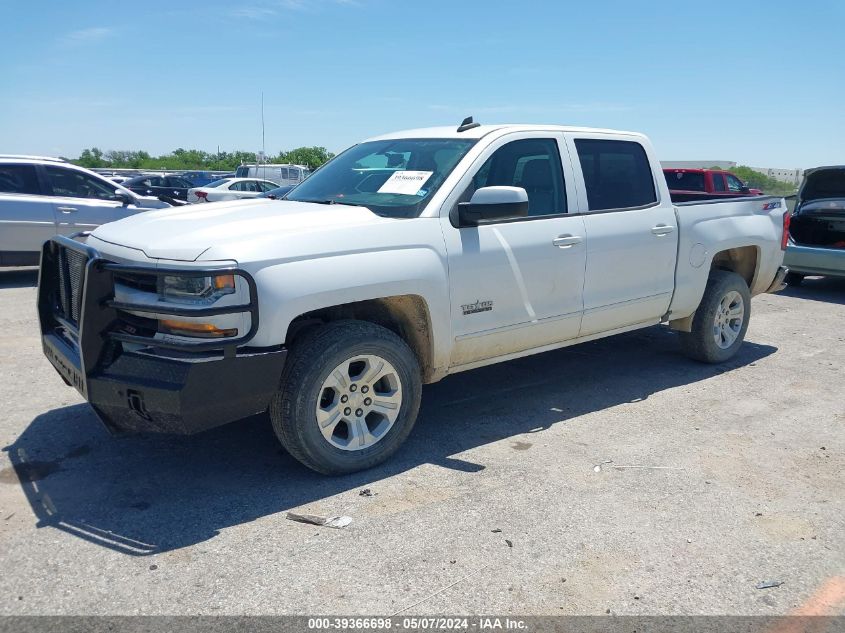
x=185 y=233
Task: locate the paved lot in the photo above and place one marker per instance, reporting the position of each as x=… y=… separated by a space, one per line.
x=750 y=489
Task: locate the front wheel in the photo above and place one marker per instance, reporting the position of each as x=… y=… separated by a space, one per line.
x=349 y=397
x=720 y=323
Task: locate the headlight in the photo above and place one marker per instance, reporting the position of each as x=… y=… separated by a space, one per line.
x=195 y=290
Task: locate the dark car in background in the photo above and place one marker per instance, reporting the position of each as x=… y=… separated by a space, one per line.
x=690 y=185
x=160 y=186
x=817 y=226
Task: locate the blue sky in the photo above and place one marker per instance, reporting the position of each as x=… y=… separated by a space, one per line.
x=761 y=83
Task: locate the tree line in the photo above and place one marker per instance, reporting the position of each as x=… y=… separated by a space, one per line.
x=195 y=159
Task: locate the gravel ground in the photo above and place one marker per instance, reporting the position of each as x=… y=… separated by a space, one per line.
x=613 y=476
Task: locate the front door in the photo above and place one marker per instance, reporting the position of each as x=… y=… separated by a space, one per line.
x=83 y=202
x=516 y=285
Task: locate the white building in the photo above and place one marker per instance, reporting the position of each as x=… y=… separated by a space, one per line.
x=792 y=176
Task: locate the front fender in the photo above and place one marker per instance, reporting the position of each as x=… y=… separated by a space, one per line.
x=290 y=289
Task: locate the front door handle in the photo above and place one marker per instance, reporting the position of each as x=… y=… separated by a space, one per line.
x=567 y=241
x=67 y=209
x=662 y=229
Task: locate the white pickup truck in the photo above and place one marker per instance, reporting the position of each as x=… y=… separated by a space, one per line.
x=407 y=258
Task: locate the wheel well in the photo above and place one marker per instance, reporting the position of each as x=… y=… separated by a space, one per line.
x=742 y=261
x=405 y=315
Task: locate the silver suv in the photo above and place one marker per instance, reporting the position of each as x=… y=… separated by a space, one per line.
x=40 y=197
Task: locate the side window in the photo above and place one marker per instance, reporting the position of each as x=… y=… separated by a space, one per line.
x=534 y=165
x=267 y=186
x=734 y=183
x=156 y=181
x=237 y=186
x=719 y=182
x=283 y=173
x=19 y=179
x=617 y=174
x=76 y=184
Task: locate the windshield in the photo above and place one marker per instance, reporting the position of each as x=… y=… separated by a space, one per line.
x=393 y=178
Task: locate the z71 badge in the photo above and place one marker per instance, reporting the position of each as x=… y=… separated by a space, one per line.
x=478 y=306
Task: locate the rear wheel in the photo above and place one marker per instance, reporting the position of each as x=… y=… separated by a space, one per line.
x=720 y=323
x=793 y=279
x=349 y=397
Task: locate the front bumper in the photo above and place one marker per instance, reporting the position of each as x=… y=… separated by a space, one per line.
x=137 y=383
x=815 y=260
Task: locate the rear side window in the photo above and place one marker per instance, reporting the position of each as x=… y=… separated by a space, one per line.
x=617 y=174
x=719 y=182
x=685 y=180
x=19 y=179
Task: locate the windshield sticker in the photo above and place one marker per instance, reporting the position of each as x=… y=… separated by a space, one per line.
x=405 y=182
x=422 y=193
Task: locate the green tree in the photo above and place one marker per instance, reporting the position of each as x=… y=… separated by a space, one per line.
x=189 y=159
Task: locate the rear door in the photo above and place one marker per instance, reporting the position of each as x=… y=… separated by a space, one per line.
x=26 y=215
x=81 y=201
x=631 y=233
x=516 y=285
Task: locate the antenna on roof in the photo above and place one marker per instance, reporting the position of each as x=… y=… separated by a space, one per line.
x=467 y=124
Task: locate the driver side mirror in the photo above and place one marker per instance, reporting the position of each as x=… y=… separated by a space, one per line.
x=492 y=204
x=124 y=198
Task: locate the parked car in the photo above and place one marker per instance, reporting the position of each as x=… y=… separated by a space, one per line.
x=370 y=278
x=160 y=186
x=230 y=189
x=278 y=192
x=40 y=197
x=817 y=227
x=202 y=178
x=280 y=174
x=686 y=185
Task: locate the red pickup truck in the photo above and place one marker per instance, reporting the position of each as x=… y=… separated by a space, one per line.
x=689 y=185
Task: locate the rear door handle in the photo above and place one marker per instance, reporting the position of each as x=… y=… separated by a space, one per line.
x=567 y=241
x=67 y=209
x=662 y=229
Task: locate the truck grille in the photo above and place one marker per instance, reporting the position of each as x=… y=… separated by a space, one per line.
x=71 y=264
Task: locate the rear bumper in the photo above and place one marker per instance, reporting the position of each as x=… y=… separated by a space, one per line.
x=814 y=260
x=779 y=282
x=144 y=385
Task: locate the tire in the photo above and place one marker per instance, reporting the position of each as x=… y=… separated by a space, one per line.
x=711 y=322
x=357 y=432
x=793 y=279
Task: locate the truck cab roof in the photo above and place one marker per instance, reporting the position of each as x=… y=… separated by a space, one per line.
x=483 y=130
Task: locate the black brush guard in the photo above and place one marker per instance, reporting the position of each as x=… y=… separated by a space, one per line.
x=164 y=386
